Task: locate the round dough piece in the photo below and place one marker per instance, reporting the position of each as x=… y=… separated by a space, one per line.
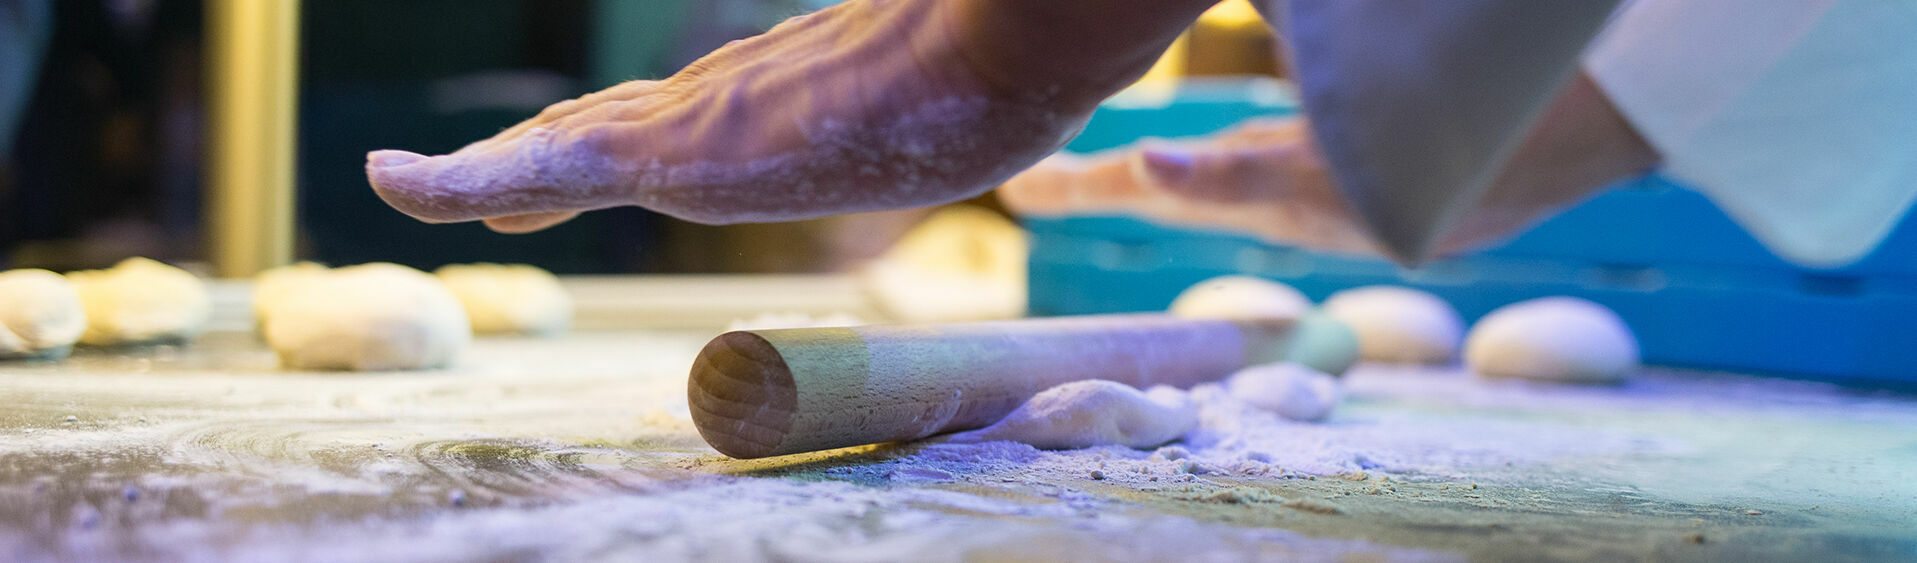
x=1399 y=324
x=40 y=315
x=510 y=298
x=271 y=287
x=1084 y=414
x=140 y=301
x=371 y=317
x=964 y=263
x=1291 y=390
x=1323 y=343
x=1562 y=339
x=1240 y=298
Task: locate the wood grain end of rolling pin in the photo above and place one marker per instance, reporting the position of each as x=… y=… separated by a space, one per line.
x=742 y=395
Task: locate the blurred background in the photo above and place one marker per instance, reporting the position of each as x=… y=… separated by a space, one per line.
x=109 y=151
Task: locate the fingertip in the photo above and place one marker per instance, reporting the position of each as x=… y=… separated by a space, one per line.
x=409 y=189
x=384 y=171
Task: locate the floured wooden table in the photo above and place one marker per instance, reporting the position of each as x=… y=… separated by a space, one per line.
x=580 y=448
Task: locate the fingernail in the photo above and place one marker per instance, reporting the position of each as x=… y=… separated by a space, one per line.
x=390 y=158
x=1166 y=164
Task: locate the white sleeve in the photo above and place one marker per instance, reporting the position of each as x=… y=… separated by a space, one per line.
x=1797 y=117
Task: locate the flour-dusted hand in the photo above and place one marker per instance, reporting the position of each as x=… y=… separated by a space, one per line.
x=866 y=105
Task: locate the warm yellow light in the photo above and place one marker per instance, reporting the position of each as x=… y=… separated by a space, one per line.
x=1232 y=13
x=1161 y=82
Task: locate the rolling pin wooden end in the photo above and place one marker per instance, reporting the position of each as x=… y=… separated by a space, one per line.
x=742 y=395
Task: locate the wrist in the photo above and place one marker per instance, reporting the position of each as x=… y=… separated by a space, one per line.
x=1071 y=51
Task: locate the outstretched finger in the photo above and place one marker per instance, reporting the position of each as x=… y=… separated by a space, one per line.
x=1075 y=184
x=544 y=171
x=1228 y=174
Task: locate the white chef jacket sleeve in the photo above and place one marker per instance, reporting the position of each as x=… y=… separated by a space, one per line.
x=1797 y=117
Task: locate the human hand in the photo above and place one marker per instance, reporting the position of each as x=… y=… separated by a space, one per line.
x=863 y=106
x=859 y=107
x=1264 y=178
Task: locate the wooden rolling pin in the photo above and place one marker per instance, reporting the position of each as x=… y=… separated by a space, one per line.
x=760 y=393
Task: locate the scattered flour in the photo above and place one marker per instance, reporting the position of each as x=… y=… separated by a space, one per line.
x=1237 y=438
x=760 y=520
x=1083 y=414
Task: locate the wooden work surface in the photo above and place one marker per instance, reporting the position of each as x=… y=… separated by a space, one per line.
x=580 y=448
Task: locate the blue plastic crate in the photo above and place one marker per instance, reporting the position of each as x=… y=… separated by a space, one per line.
x=1698 y=290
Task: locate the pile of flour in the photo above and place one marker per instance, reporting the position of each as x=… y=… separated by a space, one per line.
x=1234 y=438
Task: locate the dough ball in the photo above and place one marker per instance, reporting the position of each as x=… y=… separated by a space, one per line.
x=1291 y=390
x=371 y=317
x=1562 y=339
x=140 y=301
x=1240 y=297
x=1319 y=341
x=1323 y=343
x=964 y=263
x=40 y=315
x=271 y=287
x=1399 y=324
x=510 y=298
x=1084 y=414
x=768 y=321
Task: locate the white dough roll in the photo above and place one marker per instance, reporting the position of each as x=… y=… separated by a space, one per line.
x=41 y=316
x=372 y=317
